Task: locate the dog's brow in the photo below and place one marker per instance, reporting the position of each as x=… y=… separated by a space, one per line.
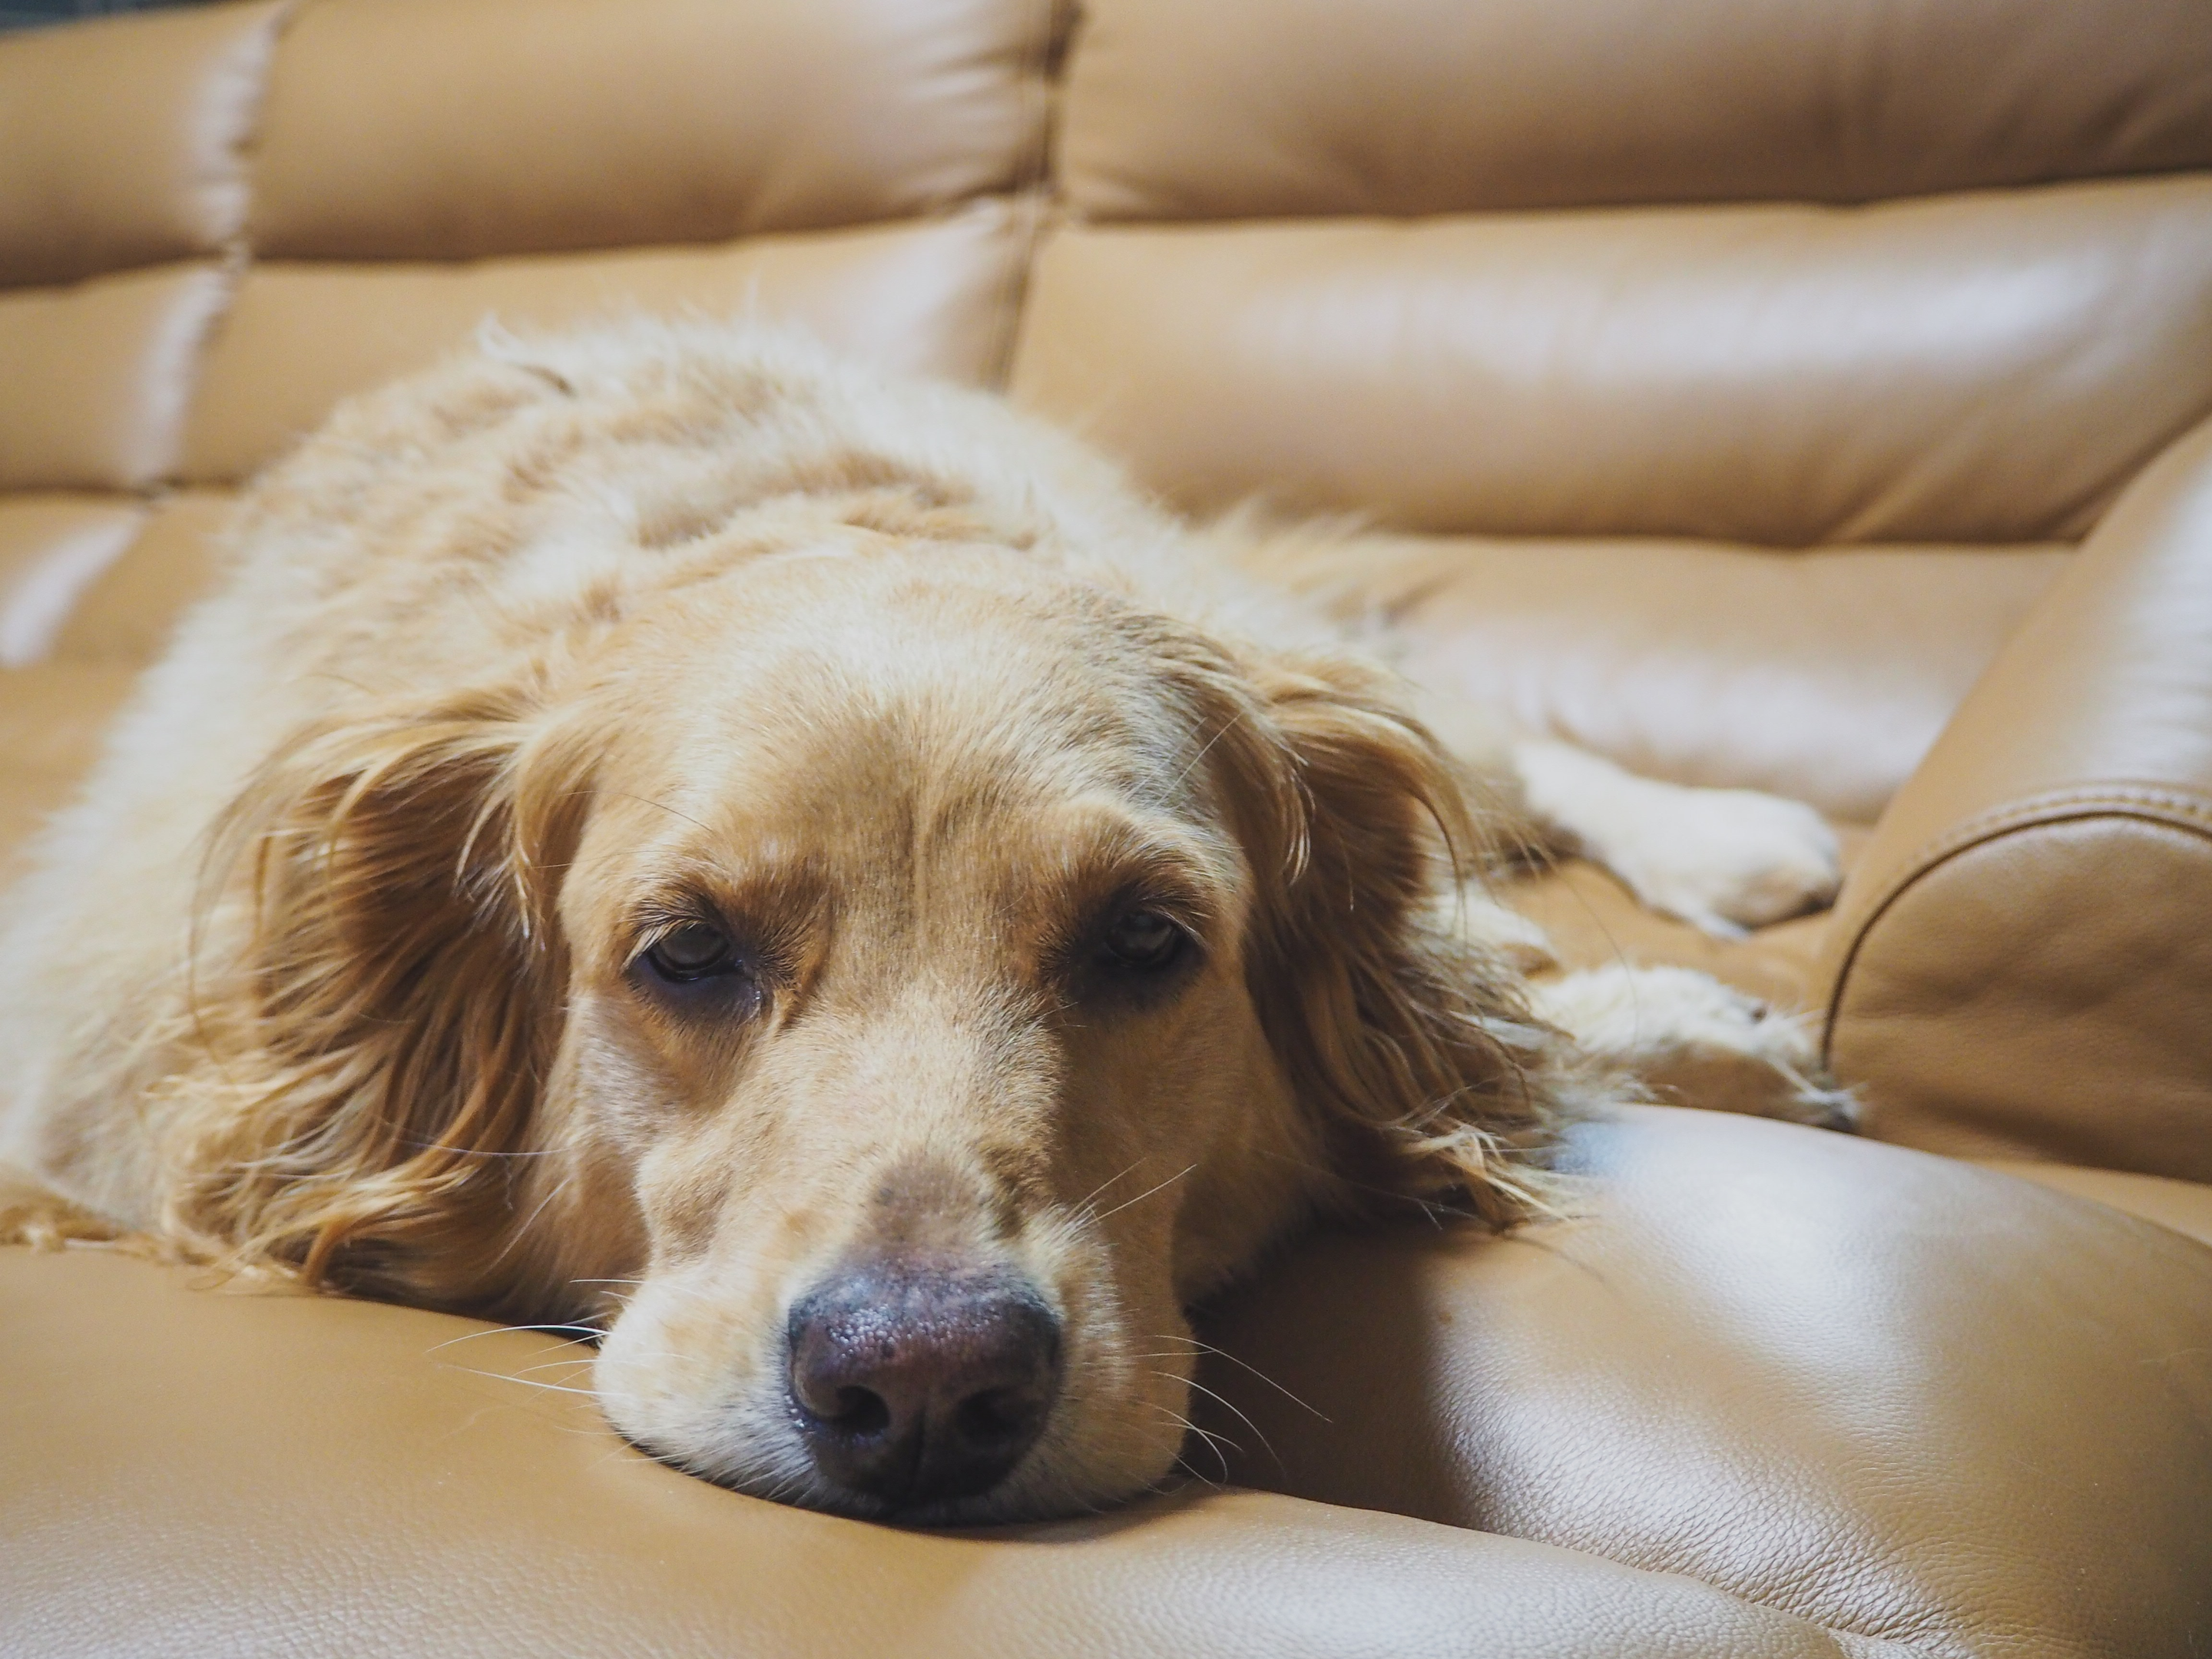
x=647 y=800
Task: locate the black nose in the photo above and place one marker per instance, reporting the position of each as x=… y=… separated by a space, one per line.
x=917 y=1383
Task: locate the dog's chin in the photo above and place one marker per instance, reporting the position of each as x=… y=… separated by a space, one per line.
x=711 y=1397
x=761 y=1452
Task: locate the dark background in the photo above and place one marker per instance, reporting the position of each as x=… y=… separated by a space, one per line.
x=29 y=13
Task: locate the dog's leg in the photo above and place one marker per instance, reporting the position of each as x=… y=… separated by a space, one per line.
x=1722 y=859
x=1697 y=1042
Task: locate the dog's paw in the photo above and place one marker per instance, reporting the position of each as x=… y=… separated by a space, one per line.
x=1694 y=1040
x=1724 y=860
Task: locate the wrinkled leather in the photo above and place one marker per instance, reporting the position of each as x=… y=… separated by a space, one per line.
x=1987 y=367
x=2020 y=968
x=1237 y=109
x=933 y=296
x=94 y=378
x=1888 y=1393
x=644 y=122
x=188 y=1470
x=1823 y=676
x=1769 y=1392
x=123 y=141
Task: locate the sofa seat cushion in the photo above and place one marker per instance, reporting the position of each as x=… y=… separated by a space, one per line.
x=1774 y=1392
x=186 y=1469
x=1886 y=1392
x=2183 y=1206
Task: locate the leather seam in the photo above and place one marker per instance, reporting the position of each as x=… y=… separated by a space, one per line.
x=1034 y=188
x=2173 y=808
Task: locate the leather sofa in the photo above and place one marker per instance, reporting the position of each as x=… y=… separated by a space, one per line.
x=1811 y=398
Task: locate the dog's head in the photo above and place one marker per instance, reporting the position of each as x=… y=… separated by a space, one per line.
x=884 y=990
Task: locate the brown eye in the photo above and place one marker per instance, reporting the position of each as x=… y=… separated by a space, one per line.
x=1144 y=940
x=695 y=951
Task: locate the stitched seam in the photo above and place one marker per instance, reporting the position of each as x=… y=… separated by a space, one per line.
x=2174 y=808
x=1030 y=201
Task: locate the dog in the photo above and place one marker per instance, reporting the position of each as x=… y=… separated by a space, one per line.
x=817 y=879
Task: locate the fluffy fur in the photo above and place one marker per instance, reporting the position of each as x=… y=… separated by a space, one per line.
x=336 y=971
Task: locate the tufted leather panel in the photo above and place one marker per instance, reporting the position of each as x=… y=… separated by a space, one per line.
x=94 y=378
x=123 y=139
x=52 y=717
x=1888 y=1393
x=2019 y=962
x=192 y=1471
x=1967 y=369
x=1822 y=676
x=415 y=128
x=124 y=615
x=1247 y=108
x=933 y=296
x=51 y=549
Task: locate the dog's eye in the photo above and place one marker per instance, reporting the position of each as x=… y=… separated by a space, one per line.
x=695 y=951
x=1144 y=940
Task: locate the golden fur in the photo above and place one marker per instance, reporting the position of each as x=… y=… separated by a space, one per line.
x=334 y=972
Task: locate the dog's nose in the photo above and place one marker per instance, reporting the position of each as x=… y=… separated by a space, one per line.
x=917 y=1384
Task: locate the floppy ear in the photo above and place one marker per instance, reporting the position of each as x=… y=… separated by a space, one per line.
x=384 y=1021
x=1411 y=1046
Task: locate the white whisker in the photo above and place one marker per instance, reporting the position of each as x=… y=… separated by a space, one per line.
x=1207 y=1348
x=1147 y=1193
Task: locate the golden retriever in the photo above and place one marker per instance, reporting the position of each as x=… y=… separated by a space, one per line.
x=667 y=830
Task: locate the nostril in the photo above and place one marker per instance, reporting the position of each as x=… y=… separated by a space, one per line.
x=997 y=1414
x=858 y=1411
x=913 y=1384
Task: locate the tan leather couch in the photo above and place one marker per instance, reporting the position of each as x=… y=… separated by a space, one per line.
x=1811 y=398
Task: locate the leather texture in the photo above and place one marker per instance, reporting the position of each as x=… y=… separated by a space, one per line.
x=1823 y=676
x=1887 y=1393
x=94 y=378
x=1737 y=377
x=2181 y=1206
x=123 y=614
x=51 y=716
x=1272 y=108
x=1988 y=368
x=123 y=141
x=933 y=296
x=304 y=1474
x=53 y=547
x=647 y=122
x=2019 y=962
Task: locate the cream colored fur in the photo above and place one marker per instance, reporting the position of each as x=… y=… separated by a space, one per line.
x=336 y=969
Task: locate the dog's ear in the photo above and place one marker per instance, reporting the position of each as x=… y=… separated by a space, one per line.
x=1412 y=1045
x=390 y=997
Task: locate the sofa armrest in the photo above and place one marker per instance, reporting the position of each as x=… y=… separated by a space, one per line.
x=2021 y=963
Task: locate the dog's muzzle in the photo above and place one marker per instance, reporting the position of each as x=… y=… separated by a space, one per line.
x=915 y=1383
